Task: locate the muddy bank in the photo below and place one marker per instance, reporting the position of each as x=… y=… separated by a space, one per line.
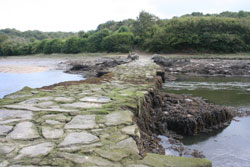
x=97 y=67
x=205 y=67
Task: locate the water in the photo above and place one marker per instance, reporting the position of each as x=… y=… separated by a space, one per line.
x=10 y=82
x=229 y=147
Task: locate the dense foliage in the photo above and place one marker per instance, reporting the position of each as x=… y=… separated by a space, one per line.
x=227 y=32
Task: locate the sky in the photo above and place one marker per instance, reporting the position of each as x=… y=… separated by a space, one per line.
x=76 y=15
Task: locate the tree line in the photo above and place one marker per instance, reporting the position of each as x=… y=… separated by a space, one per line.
x=227 y=32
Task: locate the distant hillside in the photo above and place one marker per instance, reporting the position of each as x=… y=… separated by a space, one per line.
x=31 y=36
x=240 y=14
x=227 y=32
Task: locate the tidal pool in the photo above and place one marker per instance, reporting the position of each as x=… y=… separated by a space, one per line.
x=10 y=82
x=229 y=147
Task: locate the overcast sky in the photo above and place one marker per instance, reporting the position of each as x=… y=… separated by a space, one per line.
x=75 y=15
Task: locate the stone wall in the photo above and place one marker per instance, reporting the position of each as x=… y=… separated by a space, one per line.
x=85 y=123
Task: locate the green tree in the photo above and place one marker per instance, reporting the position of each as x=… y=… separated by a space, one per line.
x=95 y=40
x=143 y=27
x=53 y=46
x=118 y=42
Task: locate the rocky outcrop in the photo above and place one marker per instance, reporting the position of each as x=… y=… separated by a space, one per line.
x=206 y=67
x=98 y=68
x=185 y=115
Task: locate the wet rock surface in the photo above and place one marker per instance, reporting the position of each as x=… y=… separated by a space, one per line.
x=91 y=123
x=99 y=67
x=205 y=67
x=177 y=115
x=187 y=115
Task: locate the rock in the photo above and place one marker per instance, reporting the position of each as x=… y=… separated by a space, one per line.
x=8 y=116
x=50 y=133
x=187 y=115
x=5 y=149
x=37 y=100
x=33 y=108
x=57 y=109
x=53 y=122
x=129 y=144
x=101 y=73
x=188 y=100
x=84 y=148
x=81 y=159
x=29 y=107
x=56 y=117
x=100 y=99
x=131 y=130
x=4 y=130
x=24 y=131
x=41 y=149
x=82 y=105
x=137 y=165
x=26 y=166
x=4 y=163
x=112 y=154
x=45 y=104
x=64 y=99
x=78 y=138
x=118 y=118
x=82 y=122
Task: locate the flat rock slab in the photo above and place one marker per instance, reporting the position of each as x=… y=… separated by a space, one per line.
x=53 y=122
x=64 y=99
x=5 y=149
x=8 y=116
x=137 y=165
x=36 y=100
x=99 y=99
x=45 y=104
x=130 y=145
x=82 y=122
x=82 y=105
x=120 y=117
x=50 y=133
x=56 y=117
x=24 y=131
x=112 y=154
x=36 y=150
x=81 y=159
x=30 y=107
x=130 y=130
x=78 y=138
x=4 y=130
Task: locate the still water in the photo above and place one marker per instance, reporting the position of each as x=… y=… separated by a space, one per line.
x=229 y=147
x=10 y=82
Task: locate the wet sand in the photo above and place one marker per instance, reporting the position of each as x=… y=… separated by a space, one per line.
x=21 y=65
x=41 y=63
x=20 y=69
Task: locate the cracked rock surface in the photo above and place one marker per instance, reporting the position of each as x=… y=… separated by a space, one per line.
x=88 y=123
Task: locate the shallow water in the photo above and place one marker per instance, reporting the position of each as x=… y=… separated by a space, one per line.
x=10 y=82
x=229 y=147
